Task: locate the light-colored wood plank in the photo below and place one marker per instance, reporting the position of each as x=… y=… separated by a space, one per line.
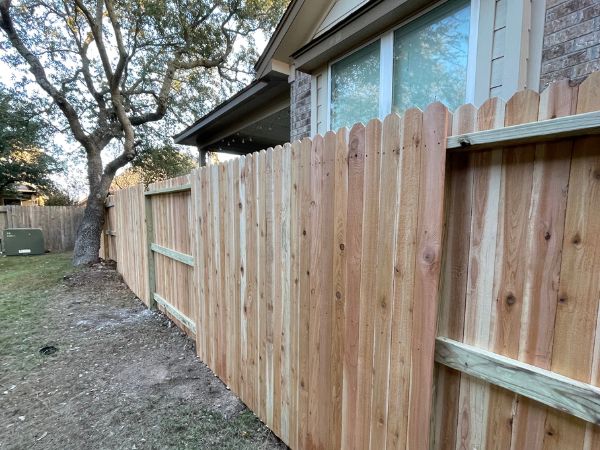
x=368 y=282
x=528 y=133
x=453 y=291
x=552 y=389
x=261 y=178
x=474 y=395
x=278 y=301
x=317 y=411
x=354 y=223
x=168 y=190
x=286 y=301
x=510 y=262
x=327 y=298
x=544 y=250
x=427 y=271
x=182 y=318
x=200 y=196
x=239 y=207
x=590 y=102
x=149 y=228
x=577 y=309
x=404 y=273
x=173 y=254
x=295 y=275
x=305 y=234
x=384 y=290
x=214 y=278
x=250 y=271
x=339 y=208
x=220 y=306
x=269 y=284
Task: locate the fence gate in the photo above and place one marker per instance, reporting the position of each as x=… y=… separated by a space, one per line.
x=169 y=240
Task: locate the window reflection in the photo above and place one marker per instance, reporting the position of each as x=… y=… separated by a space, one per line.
x=430 y=60
x=355 y=87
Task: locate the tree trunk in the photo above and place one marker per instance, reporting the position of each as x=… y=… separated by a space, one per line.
x=87 y=243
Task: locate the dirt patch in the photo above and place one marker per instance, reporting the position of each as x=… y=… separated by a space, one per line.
x=85 y=365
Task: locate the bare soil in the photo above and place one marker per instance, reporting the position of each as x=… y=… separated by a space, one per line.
x=110 y=375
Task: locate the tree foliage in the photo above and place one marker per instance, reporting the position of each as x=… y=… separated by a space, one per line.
x=155 y=163
x=161 y=163
x=115 y=67
x=22 y=136
x=58 y=197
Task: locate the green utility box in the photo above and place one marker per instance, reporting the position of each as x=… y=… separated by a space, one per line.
x=23 y=241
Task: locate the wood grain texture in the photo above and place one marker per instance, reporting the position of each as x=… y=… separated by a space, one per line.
x=339 y=212
x=384 y=290
x=305 y=211
x=510 y=263
x=400 y=382
x=427 y=271
x=324 y=270
x=451 y=313
x=562 y=393
x=486 y=166
x=368 y=281
x=545 y=230
x=354 y=224
x=577 y=308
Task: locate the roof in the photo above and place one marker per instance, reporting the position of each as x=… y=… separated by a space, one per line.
x=296 y=27
x=261 y=94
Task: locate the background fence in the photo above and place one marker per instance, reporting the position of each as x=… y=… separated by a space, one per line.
x=322 y=278
x=58 y=223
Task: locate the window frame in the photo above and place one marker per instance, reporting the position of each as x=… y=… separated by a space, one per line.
x=386 y=57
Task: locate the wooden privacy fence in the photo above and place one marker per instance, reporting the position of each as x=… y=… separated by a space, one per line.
x=323 y=278
x=58 y=223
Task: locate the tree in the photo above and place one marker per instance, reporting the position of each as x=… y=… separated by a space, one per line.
x=161 y=163
x=155 y=163
x=21 y=138
x=57 y=197
x=115 y=67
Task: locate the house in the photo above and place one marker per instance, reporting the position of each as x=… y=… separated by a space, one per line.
x=346 y=61
x=21 y=194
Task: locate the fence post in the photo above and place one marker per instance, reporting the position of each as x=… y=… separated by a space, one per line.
x=150 y=240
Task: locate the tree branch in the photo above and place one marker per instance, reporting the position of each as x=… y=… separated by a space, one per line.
x=36 y=68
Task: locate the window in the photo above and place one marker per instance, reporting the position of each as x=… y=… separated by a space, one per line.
x=422 y=62
x=430 y=61
x=355 y=87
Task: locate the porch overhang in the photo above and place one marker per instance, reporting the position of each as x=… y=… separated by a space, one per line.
x=261 y=99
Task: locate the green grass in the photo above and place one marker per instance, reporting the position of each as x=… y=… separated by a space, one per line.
x=200 y=428
x=24 y=283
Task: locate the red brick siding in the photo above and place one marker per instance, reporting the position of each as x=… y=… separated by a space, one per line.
x=571 y=48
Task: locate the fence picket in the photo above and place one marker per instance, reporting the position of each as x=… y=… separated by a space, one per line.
x=368 y=281
x=383 y=304
x=544 y=237
x=451 y=314
x=354 y=223
x=474 y=394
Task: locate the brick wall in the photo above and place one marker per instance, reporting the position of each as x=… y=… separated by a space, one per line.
x=300 y=106
x=571 y=46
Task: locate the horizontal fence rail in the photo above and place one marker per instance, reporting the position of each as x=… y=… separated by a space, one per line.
x=536 y=132
x=379 y=288
x=177 y=256
x=565 y=394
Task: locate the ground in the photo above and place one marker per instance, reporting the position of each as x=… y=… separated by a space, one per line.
x=83 y=364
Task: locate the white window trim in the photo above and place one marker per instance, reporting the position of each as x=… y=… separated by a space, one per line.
x=387 y=61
